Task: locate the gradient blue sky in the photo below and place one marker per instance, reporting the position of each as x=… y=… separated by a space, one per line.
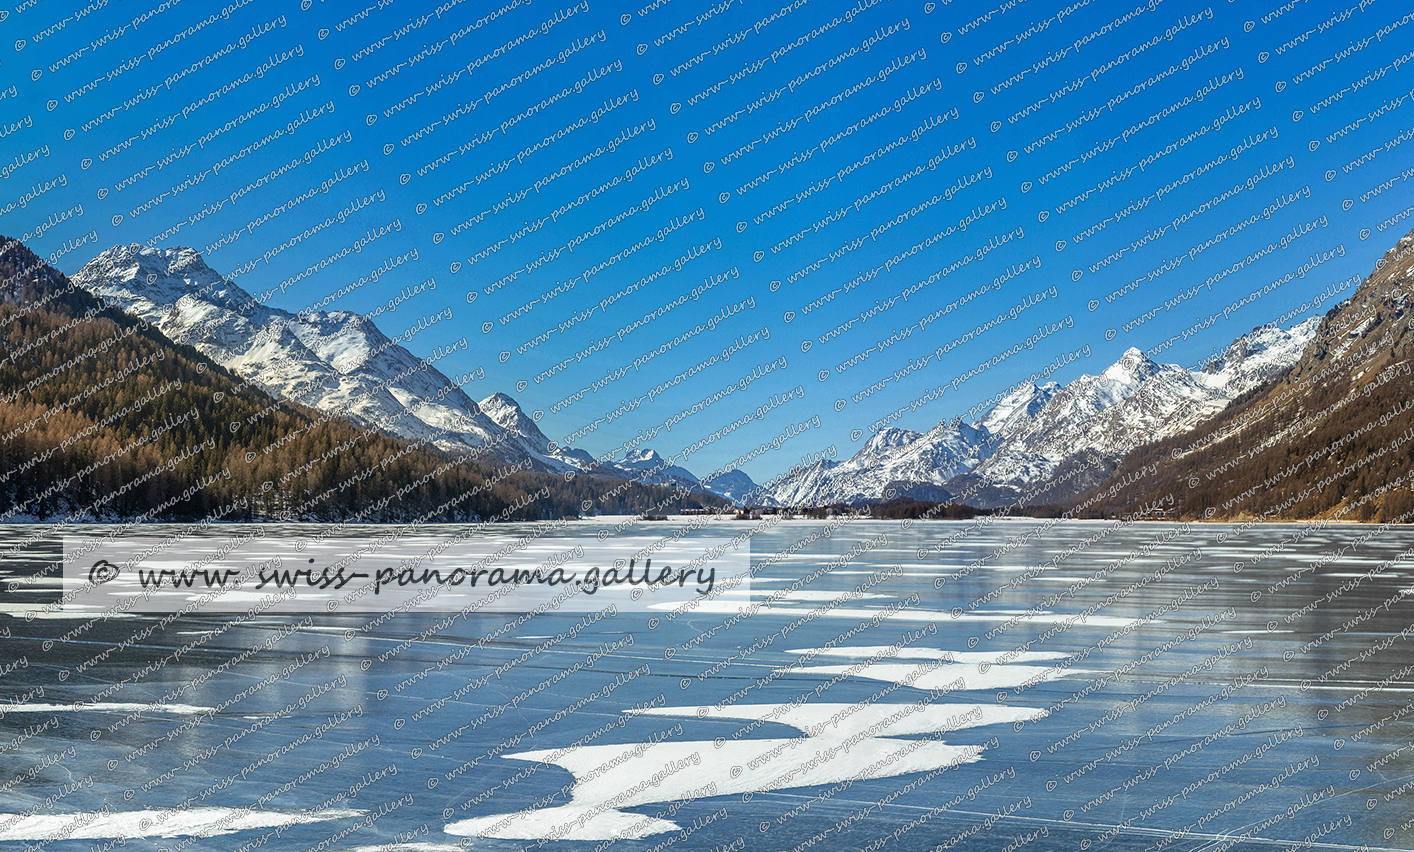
x=794 y=165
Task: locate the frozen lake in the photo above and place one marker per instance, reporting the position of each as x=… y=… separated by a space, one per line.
x=977 y=686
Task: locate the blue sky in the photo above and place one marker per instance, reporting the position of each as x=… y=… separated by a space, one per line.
x=681 y=224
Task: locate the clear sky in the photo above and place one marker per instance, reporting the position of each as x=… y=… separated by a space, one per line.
x=871 y=212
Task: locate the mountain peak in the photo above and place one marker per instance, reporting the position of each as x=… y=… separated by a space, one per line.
x=647 y=466
x=1017 y=408
x=499 y=401
x=1258 y=355
x=502 y=398
x=145 y=264
x=507 y=413
x=150 y=282
x=890 y=437
x=734 y=485
x=1132 y=365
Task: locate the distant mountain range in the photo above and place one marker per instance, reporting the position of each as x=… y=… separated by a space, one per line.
x=1028 y=447
x=341 y=362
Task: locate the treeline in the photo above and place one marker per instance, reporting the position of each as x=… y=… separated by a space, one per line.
x=102 y=418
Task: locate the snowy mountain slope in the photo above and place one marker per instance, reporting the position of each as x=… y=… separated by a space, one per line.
x=1035 y=431
x=1135 y=401
x=337 y=361
x=734 y=485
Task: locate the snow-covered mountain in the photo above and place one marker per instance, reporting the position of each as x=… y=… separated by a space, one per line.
x=734 y=485
x=1033 y=433
x=1135 y=401
x=506 y=413
x=334 y=361
x=891 y=456
x=647 y=466
x=1327 y=439
x=1017 y=408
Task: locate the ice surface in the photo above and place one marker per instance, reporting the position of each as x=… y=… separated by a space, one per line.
x=966 y=657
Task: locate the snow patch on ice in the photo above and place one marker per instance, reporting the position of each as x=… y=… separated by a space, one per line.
x=114 y=707
x=840 y=742
x=203 y=822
